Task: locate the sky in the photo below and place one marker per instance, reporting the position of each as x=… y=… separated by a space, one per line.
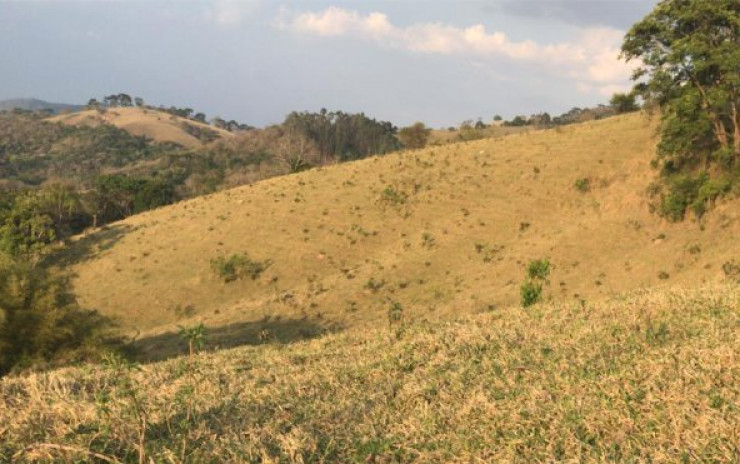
x=440 y=62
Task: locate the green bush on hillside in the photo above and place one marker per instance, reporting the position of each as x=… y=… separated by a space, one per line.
x=238 y=266
x=583 y=185
x=531 y=293
x=538 y=271
x=695 y=193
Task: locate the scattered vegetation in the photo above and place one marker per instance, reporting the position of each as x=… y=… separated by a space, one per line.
x=459 y=391
x=731 y=270
x=583 y=185
x=238 y=266
x=396 y=320
x=538 y=272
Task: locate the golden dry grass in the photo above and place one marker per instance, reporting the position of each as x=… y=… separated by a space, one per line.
x=444 y=136
x=651 y=376
x=343 y=241
x=153 y=124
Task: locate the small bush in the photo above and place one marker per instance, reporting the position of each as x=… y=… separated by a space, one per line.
x=374 y=285
x=539 y=269
x=531 y=293
x=732 y=270
x=583 y=185
x=238 y=266
x=393 y=197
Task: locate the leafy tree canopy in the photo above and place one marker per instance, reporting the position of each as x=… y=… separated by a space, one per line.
x=689 y=52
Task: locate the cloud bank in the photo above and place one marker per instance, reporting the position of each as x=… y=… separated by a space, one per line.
x=591 y=61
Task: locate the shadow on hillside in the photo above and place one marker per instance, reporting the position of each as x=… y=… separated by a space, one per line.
x=265 y=331
x=89 y=246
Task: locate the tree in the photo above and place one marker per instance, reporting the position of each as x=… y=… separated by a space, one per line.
x=139 y=102
x=690 y=66
x=541 y=119
x=414 y=136
x=624 y=102
x=40 y=320
x=125 y=100
x=219 y=122
x=518 y=121
x=111 y=100
x=25 y=232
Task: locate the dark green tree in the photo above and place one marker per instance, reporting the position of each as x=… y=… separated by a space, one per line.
x=689 y=52
x=40 y=320
x=624 y=102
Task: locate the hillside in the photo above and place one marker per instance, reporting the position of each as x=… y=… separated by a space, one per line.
x=650 y=376
x=33 y=104
x=444 y=232
x=156 y=125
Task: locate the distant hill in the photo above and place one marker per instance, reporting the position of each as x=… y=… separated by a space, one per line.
x=33 y=104
x=151 y=123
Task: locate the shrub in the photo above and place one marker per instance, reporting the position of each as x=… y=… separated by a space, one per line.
x=393 y=197
x=583 y=185
x=538 y=269
x=732 y=270
x=531 y=293
x=374 y=285
x=238 y=266
x=414 y=136
x=694 y=193
x=395 y=319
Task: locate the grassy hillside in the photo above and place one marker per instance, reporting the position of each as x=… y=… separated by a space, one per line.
x=443 y=232
x=156 y=125
x=650 y=376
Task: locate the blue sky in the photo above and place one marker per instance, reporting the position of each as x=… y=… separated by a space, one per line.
x=440 y=62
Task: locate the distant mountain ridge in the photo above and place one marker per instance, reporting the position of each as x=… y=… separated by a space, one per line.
x=34 y=104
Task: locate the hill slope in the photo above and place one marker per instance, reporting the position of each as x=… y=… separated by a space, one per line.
x=443 y=231
x=156 y=125
x=647 y=377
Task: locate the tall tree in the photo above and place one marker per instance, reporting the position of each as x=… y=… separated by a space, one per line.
x=689 y=52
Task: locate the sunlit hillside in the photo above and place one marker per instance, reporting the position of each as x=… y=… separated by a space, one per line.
x=650 y=376
x=156 y=125
x=444 y=232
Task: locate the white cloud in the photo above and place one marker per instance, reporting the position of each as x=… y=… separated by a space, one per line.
x=229 y=13
x=591 y=61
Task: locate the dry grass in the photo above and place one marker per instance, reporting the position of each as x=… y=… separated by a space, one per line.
x=153 y=124
x=443 y=136
x=444 y=231
x=651 y=376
